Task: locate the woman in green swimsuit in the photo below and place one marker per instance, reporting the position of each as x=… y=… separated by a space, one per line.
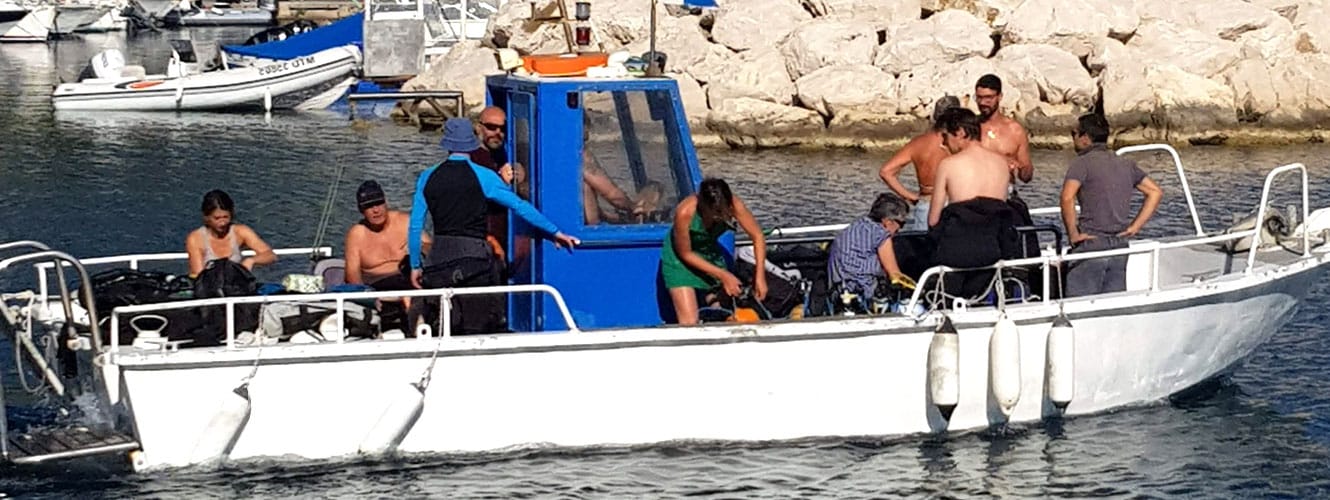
x=692 y=261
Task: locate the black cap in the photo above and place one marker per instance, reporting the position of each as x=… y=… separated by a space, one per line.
x=370 y=195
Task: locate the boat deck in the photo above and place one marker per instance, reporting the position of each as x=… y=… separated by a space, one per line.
x=48 y=445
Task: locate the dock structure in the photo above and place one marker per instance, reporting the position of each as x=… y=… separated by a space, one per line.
x=320 y=11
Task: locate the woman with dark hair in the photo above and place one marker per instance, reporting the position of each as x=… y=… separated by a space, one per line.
x=220 y=238
x=692 y=261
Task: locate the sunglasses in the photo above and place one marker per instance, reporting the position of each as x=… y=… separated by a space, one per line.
x=492 y=127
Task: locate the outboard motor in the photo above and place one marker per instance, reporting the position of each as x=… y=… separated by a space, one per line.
x=106 y=64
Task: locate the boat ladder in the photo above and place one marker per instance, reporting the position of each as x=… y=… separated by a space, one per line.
x=47 y=444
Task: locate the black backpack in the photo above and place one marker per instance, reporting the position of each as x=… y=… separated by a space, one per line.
x=221 y=278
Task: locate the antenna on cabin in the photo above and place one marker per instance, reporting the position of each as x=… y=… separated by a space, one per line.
x=653 y=63
x=655 y=60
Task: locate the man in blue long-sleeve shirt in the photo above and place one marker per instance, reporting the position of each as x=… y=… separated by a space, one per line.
x=454 y=194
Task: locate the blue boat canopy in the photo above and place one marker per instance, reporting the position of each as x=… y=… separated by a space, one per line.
x=345 y=31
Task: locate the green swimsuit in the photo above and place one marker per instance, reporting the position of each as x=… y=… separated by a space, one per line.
x=705 y=244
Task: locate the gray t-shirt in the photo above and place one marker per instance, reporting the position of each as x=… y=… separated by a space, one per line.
x=1108 y=182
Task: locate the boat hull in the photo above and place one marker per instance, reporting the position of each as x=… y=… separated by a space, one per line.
x=789 y=380
x=218 y=90
x=36 y=26
x=71 y=18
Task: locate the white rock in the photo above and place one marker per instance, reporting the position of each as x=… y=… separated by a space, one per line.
x=1059 y=75
x=751 y=24
x=1303 y=85
x=918 y=89
x=995 y=13
x=1105 y=52
x=625 y=21
x=1165 y=96
x=682 y=41
x=1073 y=25
x=753 y=123
x=1276 y=40
x=463 y=68
x=1311 y=20
x=1191 y=50
x=834 y=90
x=759 y=74
x=694 y=100
x=1288 y=9
x=510 y=27
x=945 y=37
x=1226 y=19
x=716 y=62
x=1254 y=93
x=826 y=42
x=881 y=13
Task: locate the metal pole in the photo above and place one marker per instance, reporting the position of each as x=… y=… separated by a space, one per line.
x=653 y=66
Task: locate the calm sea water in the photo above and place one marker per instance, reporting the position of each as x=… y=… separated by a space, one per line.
x=110 y=184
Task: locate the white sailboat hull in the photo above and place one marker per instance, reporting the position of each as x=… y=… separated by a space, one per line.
x=35 y=27
x=778 y=381
x=71 y=18
x=239 y=87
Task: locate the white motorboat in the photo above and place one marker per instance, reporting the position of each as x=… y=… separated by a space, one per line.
x=73 y=17
x=1193 y=310
x=33 y=25
x=281 y=84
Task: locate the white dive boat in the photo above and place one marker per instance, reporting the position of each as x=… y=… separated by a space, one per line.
x=1192 y=311
x=115 y=86
x=74 y=17
x=19 y=24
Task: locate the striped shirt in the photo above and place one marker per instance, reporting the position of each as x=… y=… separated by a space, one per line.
x=853 y=262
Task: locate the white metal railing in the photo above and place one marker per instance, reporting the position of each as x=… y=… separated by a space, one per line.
x=831 y=228
x=1182 y=177
x=1154 y=248
x=340 y=300
x=1265 y=199
x=135 y=259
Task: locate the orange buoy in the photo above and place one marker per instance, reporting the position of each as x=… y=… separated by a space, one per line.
x=144 y=85
x=559 y=65
x=745 y=315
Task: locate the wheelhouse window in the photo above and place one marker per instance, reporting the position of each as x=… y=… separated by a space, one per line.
x=632 y=158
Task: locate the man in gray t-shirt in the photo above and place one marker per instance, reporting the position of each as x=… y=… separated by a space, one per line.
x=1103 y=183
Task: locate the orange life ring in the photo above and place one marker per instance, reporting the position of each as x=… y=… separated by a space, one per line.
x=144 y=85
x=560 y=65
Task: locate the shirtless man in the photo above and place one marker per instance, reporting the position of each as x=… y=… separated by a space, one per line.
x=972 y=171
x=924 y=151
x=1000 y=133
x=376 y=245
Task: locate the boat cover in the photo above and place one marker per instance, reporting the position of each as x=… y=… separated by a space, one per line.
x=345 y=31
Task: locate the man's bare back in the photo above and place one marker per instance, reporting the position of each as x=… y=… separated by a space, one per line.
x=971 y=173
x=380 y=252
x=924 y=152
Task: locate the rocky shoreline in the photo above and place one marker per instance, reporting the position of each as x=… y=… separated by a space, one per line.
x=864 y=73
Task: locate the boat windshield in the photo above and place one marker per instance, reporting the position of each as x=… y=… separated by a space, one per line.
x=632 y=158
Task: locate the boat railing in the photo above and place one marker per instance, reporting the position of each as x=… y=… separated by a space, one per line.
x=1049 y=262
x=340 y=300
x=1177 y=165
x=43 y=253
x=134 y=260
x=1182 y=177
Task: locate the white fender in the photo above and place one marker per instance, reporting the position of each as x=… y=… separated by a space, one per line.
x=423 y=330
x=1059 y=381
x=223 y=430
x=267 y=99
x=944 y=356
x=405 y=405
x=1004 y=364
